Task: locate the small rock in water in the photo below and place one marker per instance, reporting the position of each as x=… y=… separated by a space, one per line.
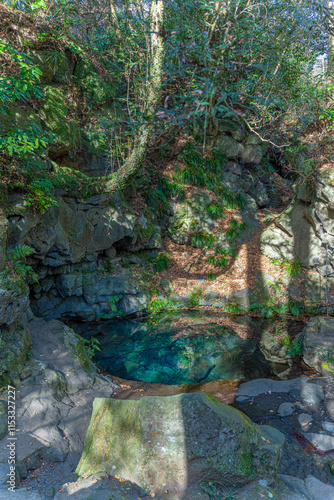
x=305 y=420
x=286 y=409
x=320 y=441
x=328 y=426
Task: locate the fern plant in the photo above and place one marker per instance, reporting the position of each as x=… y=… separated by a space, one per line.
x=292 y=269
x=211 y=276
x=214 y=211
x=55 y=60
x=161 y=263
x=41 y=194
x=222 y=262
x=19 y=265
x=234 y=230
x=202 y=239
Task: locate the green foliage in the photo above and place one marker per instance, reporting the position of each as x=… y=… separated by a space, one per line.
x=194 y=296
x=55 y=60
x=232 y=200
x=41 y=194
x=171 y=189
x=25 y=85
x=294 y=348
x=161 y=263
x=232 y=307
x=213 y=490
x=91 y=346
x=114 y=309
x=202 y=239
x=20 y=142
x=159 y=305
x=96 y=89
x=231 y=251
x=212 y=260
x=75 y=183
x=292 y=269
x=296 y=308
x=85 y=350
x=303 y=168
x=18 y=262
x=156 y=199
x=234 y=230
x=106 y=267
x=222 y=262
x=214 y=211
x=211 y=277
x=205 y=171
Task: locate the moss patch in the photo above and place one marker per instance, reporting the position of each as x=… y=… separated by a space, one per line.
x=60 y=119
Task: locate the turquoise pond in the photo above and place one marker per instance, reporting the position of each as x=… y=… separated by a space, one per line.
x=183 y=347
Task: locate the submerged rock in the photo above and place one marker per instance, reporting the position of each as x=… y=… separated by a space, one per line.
x=318 y=344
x=177 y=442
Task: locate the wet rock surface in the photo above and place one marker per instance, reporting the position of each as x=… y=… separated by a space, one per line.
x=317 y=340
x=312 y=402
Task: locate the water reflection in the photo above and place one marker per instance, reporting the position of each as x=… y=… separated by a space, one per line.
x=181 y=348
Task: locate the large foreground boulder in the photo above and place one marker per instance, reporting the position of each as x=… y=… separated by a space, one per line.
x=175 y=443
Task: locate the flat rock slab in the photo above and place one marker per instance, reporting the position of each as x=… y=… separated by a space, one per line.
x=310 y=488
x=307 y=417
x=97 y=487
x=4 y=470
x=320 y=441
x=302 y=387
x=20 y=494
x=100 y=487
x=104 y=487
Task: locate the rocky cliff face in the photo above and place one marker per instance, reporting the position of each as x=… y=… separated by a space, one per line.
x=76 y=245
x=304 y=233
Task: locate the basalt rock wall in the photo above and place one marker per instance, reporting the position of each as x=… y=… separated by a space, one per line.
x=77 y=246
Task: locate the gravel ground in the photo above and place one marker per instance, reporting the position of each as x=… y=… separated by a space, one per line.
x=295 y=461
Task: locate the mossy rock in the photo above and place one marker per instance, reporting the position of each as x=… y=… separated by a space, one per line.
x=55 y=65
x=17 y=117
x=226 y=125
x=96 y=89
x=176 y=442
x=58 y=118
x=15 y=344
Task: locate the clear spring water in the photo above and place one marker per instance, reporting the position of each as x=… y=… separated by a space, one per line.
x=179 y=348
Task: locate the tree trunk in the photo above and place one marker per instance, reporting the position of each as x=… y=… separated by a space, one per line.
x=330 y=52
x=120 y=179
